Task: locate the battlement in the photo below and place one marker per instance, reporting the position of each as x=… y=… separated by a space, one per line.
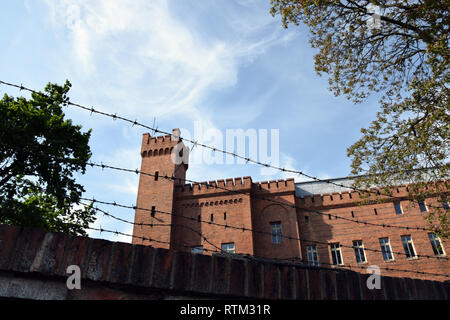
x=159 y=145
x=214 y=186
x=275 y=186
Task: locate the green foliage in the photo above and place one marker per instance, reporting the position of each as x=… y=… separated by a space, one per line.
x=40 y=152
x=359 y=60
x=406 y=62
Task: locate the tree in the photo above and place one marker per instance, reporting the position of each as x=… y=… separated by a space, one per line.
x=405 y=60
x=40 y=153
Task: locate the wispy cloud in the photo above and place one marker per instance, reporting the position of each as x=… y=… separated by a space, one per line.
x=118 y=182
x=141 y=56
x=146 y=59
x=289 y=163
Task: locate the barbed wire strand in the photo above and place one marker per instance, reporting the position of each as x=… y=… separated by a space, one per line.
x=219 y=250
x=247 y=256
x=294 y=206
x=225 y=152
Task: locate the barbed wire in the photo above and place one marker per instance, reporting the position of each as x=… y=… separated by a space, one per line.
x=114 y=203
x=117 y=233
x=293 y=259
x=294 y=206
x=219 y=250
x=143 y=238
x=214 y=149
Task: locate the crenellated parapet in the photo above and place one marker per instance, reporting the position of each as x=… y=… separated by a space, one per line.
x=274 y=186
x=214 y=187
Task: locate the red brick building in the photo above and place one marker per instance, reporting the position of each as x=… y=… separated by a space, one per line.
x=314 y=222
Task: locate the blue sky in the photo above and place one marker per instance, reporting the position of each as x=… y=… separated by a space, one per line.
x=223 y=64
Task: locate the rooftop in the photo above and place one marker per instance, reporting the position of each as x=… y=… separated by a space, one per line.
x=309 y=188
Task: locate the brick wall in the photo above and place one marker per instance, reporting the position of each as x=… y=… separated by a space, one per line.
x=255 y=205
x=33 y=265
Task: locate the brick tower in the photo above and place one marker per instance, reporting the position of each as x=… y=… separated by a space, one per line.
x=162 y=156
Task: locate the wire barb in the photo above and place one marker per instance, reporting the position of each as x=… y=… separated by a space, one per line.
x=155 y=130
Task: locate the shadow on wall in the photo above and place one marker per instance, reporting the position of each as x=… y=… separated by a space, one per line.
x=314 y=227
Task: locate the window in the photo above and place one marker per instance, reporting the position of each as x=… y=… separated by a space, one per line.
x=445 y=205
x=197 y=249
x=398 y=207
x=156 y=175
x=436 y=244
x=375 y=211
x=336 y=253
x=306 y=219
x=353 y=214
x=228 y=247
x=409 y=247
x=313 y=258
x=386 y=249
x=359 y=251
x=152 y=213
x=275 y=230
x=224 y=216
x=423 y=207
x=212 y=217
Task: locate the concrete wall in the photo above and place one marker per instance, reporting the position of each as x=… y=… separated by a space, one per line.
x=33 y=265
x=347 y=205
